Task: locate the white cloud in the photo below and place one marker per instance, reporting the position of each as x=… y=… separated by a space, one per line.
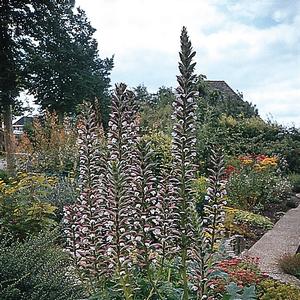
x=253 y=45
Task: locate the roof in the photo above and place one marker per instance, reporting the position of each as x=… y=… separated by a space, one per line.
x=223 y=87
x=23 y=120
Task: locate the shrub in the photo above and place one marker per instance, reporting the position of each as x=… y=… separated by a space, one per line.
x=295 y=180
x=253 y=183
x=160 y=144
x=4 y=176
x=200 y=187
x=63 y=192
x=243 y=222
x=274 y=290
x=22 y=211
x=50 y=147
x=291 y=264
x=36 y=270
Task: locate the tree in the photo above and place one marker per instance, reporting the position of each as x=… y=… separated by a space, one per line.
x=64 y=65
x=48 y=49
x=14 y=19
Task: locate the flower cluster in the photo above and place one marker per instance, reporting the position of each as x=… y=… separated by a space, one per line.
x=184 y=152
x=259 y=162
x=243 y=271
x=214 y=214
x=81 y=219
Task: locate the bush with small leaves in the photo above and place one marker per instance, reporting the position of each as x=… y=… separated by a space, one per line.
x=23 y=209
x=271 y=289
x=36 y=269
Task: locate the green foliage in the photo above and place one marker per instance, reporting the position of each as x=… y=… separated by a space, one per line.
x=253 y=188
x=13 y=37
x=156 y=110
x=36 y=270
x=4 y=176
x=295 y=181
x=22 y=211
x=243 y=222
x=234 y=292
x=274 y=290
x=291 y=264
x=63 y=192
x=239 y=136
x=200 y=188
x=160 y=144
x=253 y=219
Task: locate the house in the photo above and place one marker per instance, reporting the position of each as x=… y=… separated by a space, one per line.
x=18 y=126
x=222 y=87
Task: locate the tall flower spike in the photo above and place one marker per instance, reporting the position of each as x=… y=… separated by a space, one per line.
x=81 y=220
x=214 y=203
x=119 y=233
x=146 y=212
x=209 y=230
x=166 y=218
x=184 y=152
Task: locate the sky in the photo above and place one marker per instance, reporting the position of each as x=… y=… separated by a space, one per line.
x=254 y=45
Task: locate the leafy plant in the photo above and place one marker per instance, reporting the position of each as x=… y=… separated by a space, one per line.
x=295 y=181
x=22 y=209
x=242 y=222
x=270 y=289
x=36 y=269
x=234 y=292
x=50 y=148
x=4 y=176
x=254 y=187
x=160 y=143
x=63 y=192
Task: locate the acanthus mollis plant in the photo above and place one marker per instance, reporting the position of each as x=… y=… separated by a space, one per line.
x=81 y=220
x=147 y=218
x=184 y=152
x=213 y=212
x=209 y=230
x=145 y=206
x=120 y=233
x=167 y=233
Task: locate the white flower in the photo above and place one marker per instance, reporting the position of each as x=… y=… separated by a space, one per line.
x=109 y=238
x=157 y=231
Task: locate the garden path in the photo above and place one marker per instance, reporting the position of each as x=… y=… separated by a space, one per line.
x=2 y=164
x=284 y=238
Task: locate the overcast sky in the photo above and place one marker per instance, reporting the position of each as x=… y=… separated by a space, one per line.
x=254 y=45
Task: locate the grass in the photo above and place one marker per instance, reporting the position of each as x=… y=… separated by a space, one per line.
x=290 y=264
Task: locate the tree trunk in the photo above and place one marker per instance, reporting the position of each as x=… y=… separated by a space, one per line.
x=9 y=139
x=60 y=116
